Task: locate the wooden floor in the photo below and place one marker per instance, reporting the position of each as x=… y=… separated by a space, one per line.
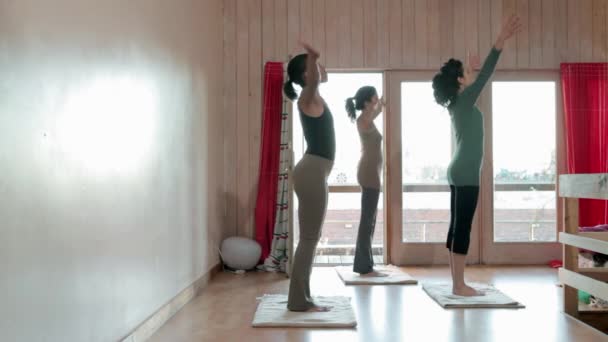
x=223 y=312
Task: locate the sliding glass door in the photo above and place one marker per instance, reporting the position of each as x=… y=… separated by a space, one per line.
x=517 y=215
x=419 y=149
x=520 y=206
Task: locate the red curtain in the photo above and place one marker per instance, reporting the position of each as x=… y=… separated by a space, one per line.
x=585 y=96
x=265 y=208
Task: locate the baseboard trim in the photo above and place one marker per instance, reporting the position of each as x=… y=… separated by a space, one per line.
x=145 y=330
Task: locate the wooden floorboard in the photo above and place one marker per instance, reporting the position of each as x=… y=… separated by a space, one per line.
x=224 y=310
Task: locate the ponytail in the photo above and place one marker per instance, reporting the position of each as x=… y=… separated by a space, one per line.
x=353 y=104
x=289 y=91
x=350 y=108
x=295 y=74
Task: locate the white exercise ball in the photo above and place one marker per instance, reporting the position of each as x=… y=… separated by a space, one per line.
x=240 y=253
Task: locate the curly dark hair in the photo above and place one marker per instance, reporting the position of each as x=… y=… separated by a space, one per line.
x=445 y=83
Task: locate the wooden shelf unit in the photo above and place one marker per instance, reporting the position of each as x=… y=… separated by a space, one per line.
x=573 y=187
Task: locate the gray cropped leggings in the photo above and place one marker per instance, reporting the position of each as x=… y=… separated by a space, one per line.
x=364 y=261
x=310 y=185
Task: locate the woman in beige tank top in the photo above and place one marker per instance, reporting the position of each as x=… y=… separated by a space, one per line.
x=368 y=173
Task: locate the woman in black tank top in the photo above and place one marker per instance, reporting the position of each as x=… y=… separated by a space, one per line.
x=311 y=172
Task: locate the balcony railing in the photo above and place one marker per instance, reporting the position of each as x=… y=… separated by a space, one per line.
x=341 y=245
x=421 y=187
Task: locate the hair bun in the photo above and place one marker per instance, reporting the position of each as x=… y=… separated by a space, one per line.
x=446 y=84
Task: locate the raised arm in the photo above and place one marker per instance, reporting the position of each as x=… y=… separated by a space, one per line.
x=470 y=95
x=310 y=101
x=323 y=73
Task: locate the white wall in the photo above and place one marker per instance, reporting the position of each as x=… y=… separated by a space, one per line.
x=110 y=161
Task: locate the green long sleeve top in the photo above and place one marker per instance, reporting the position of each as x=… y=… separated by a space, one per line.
x=467 y=124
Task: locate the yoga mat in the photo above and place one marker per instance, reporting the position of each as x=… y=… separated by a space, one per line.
x=272 y=312
x=493 y=298
x=396 y=276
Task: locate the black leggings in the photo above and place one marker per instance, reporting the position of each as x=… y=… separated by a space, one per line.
x=463 y=202
x=364 y=260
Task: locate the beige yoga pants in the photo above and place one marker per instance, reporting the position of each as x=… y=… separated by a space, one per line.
x=310 y=184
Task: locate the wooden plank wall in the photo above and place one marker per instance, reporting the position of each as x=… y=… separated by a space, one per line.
x=381 y=35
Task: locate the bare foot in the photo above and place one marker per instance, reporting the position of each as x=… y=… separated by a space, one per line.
x=375 y=274
x=466 y=291
x=319 y=308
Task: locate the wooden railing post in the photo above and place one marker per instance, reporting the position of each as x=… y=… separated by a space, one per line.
x=571 y=254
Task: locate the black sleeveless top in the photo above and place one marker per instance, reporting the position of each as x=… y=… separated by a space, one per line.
x=319 y=134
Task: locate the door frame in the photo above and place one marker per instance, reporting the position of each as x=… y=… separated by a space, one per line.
x=483 y=248
x=399 y=252
x=517 y=252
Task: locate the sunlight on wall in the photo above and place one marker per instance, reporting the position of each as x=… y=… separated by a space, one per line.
x=109 y=124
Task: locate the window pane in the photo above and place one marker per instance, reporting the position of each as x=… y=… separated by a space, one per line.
x=426 y=152
x=339 y=87
x=425 y=135
x=426 y=216
x=524 y=155
x=524 y=216
x=342 y=223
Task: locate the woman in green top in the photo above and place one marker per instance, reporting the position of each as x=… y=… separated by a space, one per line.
x=456 y=89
